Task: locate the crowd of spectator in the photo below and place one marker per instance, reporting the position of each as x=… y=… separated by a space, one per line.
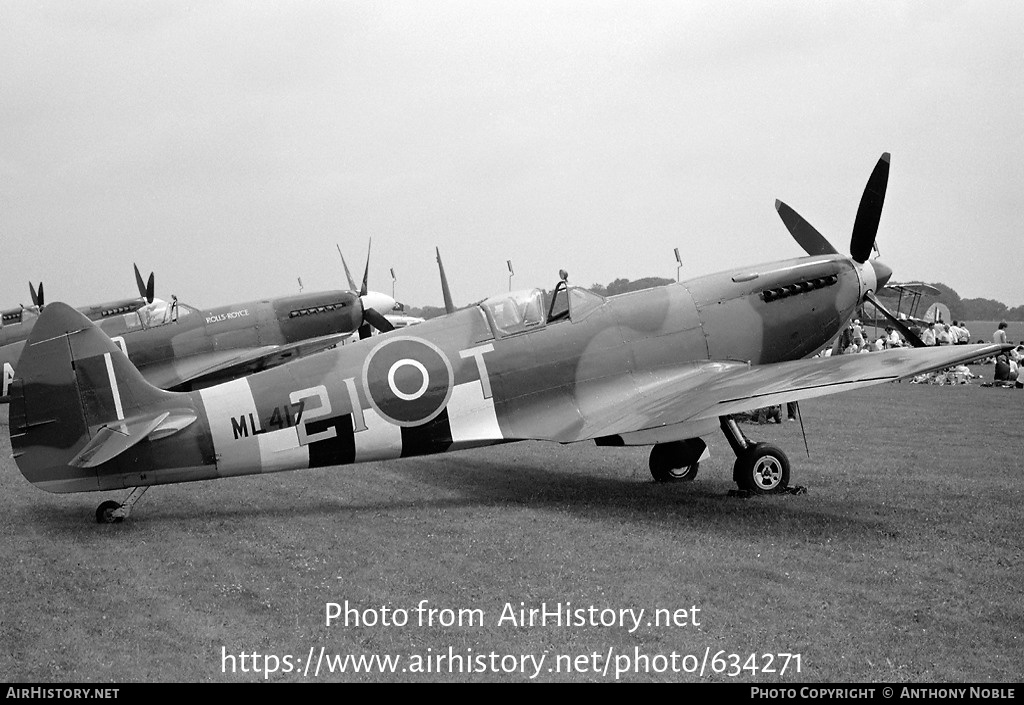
x=855 y=339
x=1008 y=367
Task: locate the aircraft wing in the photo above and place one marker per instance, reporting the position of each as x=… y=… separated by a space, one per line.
x=221 y=365
x=713 y=389
x=894 y=288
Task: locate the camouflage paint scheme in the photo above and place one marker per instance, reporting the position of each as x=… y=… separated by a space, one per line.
x=180 y=347
x=659 y=367
x=654 y=366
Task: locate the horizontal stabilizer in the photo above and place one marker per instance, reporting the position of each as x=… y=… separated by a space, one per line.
x=115 y=438
x=112 y=440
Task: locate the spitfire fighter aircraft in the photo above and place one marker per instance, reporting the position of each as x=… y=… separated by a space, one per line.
x=16 y=323
x=94 y=312
x=180 y=347
x=660 y=367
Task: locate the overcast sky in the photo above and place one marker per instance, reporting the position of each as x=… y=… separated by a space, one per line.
x=230 y=145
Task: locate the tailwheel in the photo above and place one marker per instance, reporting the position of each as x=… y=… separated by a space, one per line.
x=105 y=513
x=762 y=468
x=677 y=461
x=111 y=512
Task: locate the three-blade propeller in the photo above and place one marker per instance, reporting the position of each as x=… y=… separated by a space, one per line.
x=371 y=316
x=449 y=305
x=865 y=228
x=147 y=290
x=37 y=296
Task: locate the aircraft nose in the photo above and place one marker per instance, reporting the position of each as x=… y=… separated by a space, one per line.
x=882 y=273
x=378 y=301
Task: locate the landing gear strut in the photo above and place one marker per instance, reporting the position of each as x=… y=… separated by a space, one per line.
x=677 y=461
x=111 y=512
x=761 y=468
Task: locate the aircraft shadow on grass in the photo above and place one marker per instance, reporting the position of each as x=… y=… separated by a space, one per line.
x=472 y=482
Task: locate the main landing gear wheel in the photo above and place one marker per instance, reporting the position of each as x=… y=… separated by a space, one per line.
x=677 y=461
x=762 y=469
x=105 y=512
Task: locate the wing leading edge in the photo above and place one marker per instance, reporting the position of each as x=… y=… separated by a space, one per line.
x=208 y=368
x=716 y=389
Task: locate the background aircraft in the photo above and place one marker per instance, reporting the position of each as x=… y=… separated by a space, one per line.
x=94 y=312
x=658 y=367
x=177 y=346
x=393 y=311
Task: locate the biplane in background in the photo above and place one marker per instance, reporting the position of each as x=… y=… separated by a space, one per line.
x=660 y=367
x=909 y=293
x=907 y=297
x=180 y=347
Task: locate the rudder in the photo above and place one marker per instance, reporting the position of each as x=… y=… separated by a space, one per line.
x=73 y=383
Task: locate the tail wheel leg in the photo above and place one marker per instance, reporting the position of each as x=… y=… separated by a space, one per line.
x=111 y=512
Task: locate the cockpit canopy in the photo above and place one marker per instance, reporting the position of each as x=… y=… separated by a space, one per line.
x=158 y=313
x=530 y=309
x=515 y=311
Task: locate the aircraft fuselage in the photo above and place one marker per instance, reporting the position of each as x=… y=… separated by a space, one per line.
x=454 y=382
x=164 y=345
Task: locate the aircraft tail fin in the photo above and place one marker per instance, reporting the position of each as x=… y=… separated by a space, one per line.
x=77 y=401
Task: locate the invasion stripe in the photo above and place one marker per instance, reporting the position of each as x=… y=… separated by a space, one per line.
x=280 y=450
x=471 y=416
x=435 y=436
x=224 y=403
x=381 y=440
x=337 y=450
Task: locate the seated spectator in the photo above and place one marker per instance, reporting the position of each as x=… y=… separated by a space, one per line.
x=1003 y=370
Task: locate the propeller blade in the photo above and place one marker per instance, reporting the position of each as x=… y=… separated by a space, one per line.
x=910 y=336
x=376 y=320
x=449 y=307
x=813 y=242
x=836 y=344
x=147 y=290
x=366 y=272
x=364 y=332
x=138 y=282
x=869 y=213
x=348 y=274
x=37 y=297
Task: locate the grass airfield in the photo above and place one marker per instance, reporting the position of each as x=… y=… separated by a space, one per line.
x=903 y=561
